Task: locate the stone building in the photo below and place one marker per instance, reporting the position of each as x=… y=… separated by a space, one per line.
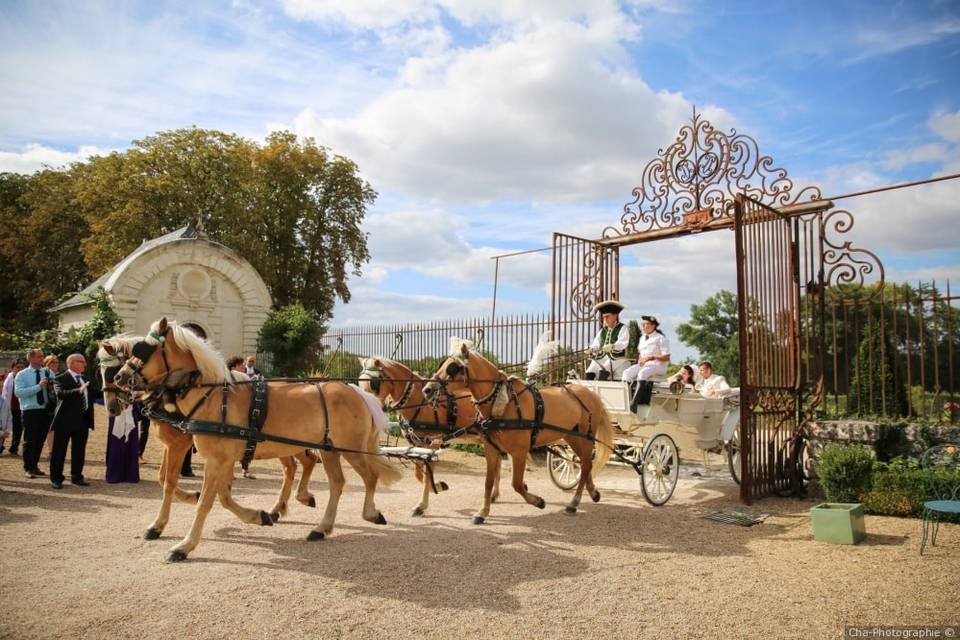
x=188 y=278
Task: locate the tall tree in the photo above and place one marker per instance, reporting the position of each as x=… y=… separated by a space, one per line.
x=40 y=232
x=288 y=206
x=713 y=331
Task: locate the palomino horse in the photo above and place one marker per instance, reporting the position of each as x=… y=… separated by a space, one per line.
x=571 y=413
x=401 y=390
x=111 y=354
x=193 y=376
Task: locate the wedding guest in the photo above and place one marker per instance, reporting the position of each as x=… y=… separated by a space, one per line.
x=52 y=363
x=123 y=445
x=72 y=422
x=236 y=365
x=251 y=370
x=34 y=388
x=10 y=408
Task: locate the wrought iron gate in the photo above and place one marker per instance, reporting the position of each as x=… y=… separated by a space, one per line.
x=768 y=292
x=585 y=272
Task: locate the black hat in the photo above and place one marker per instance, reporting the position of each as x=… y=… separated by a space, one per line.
x=608 y=306
x=652 y=320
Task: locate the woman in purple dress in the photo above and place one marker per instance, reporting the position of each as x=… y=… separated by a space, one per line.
x=123 y=446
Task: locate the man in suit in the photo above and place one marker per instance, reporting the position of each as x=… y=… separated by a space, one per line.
x=72 y=422
x=250 y=369
x=34 y=387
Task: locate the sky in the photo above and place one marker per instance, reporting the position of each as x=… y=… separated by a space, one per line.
x=487 y=125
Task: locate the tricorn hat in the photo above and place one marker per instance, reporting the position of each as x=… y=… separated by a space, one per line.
x=608 y=306
x=651 y=319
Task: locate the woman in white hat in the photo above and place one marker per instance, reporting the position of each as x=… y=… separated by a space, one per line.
x=611 y=343
x=653 y=352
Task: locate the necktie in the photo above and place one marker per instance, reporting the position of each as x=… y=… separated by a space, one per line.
x=40 y=399
x=79 y=380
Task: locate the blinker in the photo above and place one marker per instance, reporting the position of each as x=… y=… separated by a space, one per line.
x=142 y=351
x=453 y=369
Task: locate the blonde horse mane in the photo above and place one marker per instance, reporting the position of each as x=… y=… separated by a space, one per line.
x=210 y=363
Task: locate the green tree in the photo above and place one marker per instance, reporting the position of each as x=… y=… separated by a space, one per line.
x=290 y=207
x=290 y=335
x=713 y=332
x=40 y=232
x=872 y=390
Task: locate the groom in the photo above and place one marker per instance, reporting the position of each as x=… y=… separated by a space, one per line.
x=72 y=422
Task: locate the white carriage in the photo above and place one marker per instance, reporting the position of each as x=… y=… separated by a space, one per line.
x=676 y=420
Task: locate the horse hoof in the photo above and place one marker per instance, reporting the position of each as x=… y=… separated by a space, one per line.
x=570 y=510
x=416 y=513
x=176 y=556
x=312 y=502
x=540 y=503
x=595 y=496
x=275 y=516
x=442 y=486
x=196 y=494
x=151 y=534
x=380 y=519
x=265 y=519
x=313 y=536
x=477 y=519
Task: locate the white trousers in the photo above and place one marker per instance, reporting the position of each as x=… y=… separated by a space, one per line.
x=645 y=371
x=606 y=363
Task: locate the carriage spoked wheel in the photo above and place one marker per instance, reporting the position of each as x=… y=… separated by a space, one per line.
x=733 y=455
x=564 y=467
x=660 y=465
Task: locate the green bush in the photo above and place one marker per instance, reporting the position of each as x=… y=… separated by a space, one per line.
x=901 y=487
x=290 y=336
x=845 y=472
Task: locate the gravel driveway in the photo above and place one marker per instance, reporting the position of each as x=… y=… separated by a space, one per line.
x=73 y=564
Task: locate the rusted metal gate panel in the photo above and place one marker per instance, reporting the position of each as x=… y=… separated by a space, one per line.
x=768 y=291
x=584 y=273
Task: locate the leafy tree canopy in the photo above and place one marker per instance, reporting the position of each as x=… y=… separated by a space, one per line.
x=713 y=330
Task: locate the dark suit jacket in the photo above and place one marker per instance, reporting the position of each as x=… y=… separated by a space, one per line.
x=70 y=415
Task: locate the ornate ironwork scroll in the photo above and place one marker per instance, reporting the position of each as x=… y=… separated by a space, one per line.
x=845 y=265
x=696 y=178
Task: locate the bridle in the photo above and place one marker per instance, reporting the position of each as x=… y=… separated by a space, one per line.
x=140 y=354
x=376 y=375
x=462 y=367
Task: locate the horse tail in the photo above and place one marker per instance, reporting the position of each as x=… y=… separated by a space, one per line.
x=602 y=427
x=386 y=471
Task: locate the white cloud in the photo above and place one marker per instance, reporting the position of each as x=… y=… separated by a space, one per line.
x=871 y=42
x=947 y=126
x=35 y=156
x=554 y=113
x=921 y=154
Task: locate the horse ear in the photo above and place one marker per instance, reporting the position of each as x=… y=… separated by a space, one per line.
x=162 y=327
x=464 y=350
x=376 y=363
x=109 y=348
x=362 y=360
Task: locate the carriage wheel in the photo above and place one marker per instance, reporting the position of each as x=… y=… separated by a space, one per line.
x=660 y=467
x=564 y=467
x=733 y=455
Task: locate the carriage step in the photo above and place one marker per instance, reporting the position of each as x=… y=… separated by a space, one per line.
x=423 y=454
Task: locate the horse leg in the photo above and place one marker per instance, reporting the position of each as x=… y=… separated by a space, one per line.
x=249 y=516
x=216 y=474
x=361 y=464
x=289 y=471
x=421 y=507
x=496 y=482
x=336 y=481
x=584 y=450
x=169 y=475
x=308 y=459
x=490 y=482
x=519 y=461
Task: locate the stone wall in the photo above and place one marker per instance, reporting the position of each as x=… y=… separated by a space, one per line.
x=885 y=440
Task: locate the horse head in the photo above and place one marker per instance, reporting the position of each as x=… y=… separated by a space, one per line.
x=466 y=369
x=169 y=359
x=391 y=381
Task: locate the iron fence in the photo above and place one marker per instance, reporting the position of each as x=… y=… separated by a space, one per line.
x=892 y=353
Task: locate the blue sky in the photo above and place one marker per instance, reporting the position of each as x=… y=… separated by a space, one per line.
x=485 y=126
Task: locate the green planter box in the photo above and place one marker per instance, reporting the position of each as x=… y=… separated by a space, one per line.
x=838 y=523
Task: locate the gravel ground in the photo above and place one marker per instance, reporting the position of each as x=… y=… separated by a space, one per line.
x=73 y=564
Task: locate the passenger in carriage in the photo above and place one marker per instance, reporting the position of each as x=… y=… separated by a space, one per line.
x=686 y=376
x=712 y=385
x=653 y=352
x=611 y=341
